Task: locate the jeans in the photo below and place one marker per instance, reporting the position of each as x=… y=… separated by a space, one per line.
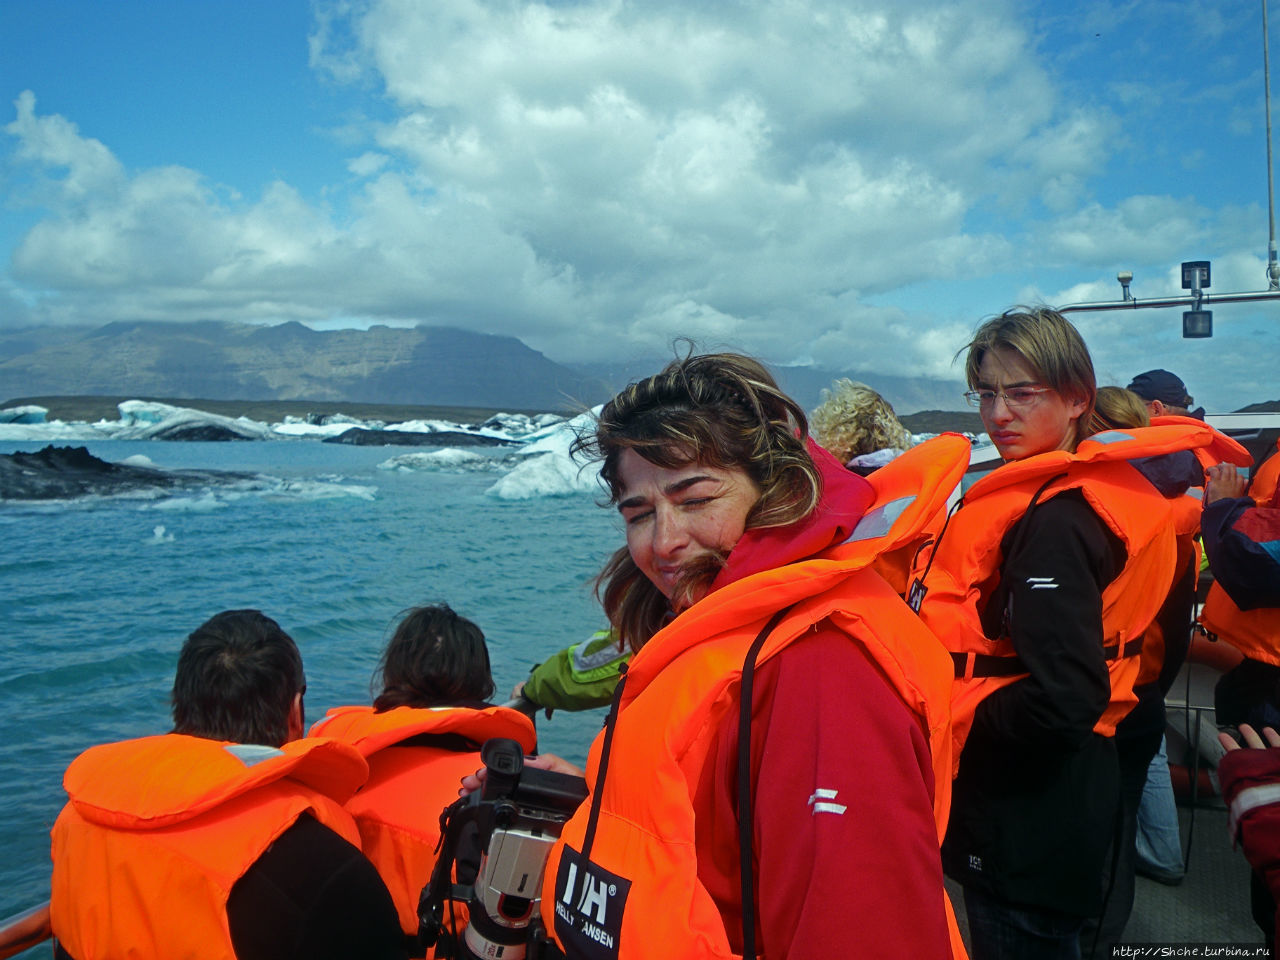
x=1159 y=840
x=1005 y=931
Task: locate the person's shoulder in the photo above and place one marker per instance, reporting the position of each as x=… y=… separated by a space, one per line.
x=1068 y=516
x=1172 y=474
x=828 y=659
x=312 y=893
x=1068 y=508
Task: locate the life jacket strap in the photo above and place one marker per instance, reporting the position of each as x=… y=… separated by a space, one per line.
x=746 y=819
x=970 y=666
x=1131 y=649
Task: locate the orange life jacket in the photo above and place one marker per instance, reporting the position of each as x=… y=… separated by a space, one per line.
x=1186 y=533
x=1264 y=485
x=1255 y=633
x=158 y=830
x=635 y=887
x=398 y=809
x=959 y=572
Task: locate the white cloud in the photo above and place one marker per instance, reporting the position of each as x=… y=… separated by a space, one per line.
x=54 y=144
x=597 y=177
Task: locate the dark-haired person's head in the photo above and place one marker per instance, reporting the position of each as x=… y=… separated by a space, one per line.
x=239 y=678
x=1164 y=393
x=435 y=658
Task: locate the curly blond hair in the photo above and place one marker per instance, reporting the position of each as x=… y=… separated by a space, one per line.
x=853 y=419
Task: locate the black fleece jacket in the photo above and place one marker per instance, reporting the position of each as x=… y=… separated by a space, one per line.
x=1034 y=804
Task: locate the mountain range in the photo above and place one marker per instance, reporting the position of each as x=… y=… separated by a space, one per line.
x=226 y=361
x=422 y=365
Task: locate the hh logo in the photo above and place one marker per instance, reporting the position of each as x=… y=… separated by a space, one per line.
x=975 y=863
x=590 y=902
x=595 y=894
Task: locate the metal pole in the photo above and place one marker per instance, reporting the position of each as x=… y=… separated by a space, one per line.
x=1273 y=267
x=1206 y=299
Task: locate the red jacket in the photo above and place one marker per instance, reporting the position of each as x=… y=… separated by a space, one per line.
x=845 y=838
x=1250 y=782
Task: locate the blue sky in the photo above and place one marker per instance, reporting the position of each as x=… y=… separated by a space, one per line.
x=853 y=183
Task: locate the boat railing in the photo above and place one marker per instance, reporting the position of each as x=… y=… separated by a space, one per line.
x=24 y=930
x=1193 y=725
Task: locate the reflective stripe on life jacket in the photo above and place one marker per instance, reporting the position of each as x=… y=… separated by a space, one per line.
x=624 y=879
x=962 y=571
x=398 y=809
x=158 y=830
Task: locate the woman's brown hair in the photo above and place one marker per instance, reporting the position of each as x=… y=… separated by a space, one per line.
x=723 y=410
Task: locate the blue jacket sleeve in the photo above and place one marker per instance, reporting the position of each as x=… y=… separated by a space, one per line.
x=1242 y=542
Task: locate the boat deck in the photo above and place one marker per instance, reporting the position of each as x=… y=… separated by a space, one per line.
x=1210 y=906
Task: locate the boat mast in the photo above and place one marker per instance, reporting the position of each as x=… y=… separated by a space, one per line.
x=1273 y=267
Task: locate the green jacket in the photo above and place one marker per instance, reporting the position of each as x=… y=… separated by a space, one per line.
x=579 y=677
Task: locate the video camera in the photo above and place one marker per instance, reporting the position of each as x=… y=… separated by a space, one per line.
x=509 y=827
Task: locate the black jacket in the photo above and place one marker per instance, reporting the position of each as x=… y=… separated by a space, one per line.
x=1035 y=803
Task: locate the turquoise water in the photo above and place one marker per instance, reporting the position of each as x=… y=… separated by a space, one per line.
x=98 y=600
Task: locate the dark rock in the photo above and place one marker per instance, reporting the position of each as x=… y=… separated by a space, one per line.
x=414 y=438
x=63 y=473
x=198 y=431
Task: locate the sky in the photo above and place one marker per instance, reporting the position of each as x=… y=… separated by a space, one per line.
x=849 y=184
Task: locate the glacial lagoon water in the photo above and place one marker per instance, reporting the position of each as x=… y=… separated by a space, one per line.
x=98 y=594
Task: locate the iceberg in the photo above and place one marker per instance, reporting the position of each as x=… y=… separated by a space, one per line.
x=546 y=468
x=519 y=425
x=152 y=420
x=546 y=475
x=28 y=413
x=65 y=473
x=147 y=420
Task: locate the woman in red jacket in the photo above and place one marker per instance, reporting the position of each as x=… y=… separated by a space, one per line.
x=746 y=590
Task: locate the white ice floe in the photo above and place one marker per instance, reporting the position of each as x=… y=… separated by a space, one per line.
x=447 y=460
x=328 y=426
x=558 y=437
x=160 y=535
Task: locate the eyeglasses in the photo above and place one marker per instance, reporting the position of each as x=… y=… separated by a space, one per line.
x=1015 y=397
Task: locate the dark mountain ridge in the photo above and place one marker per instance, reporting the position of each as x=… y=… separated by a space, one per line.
x=422 y=366
x=229 y=361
